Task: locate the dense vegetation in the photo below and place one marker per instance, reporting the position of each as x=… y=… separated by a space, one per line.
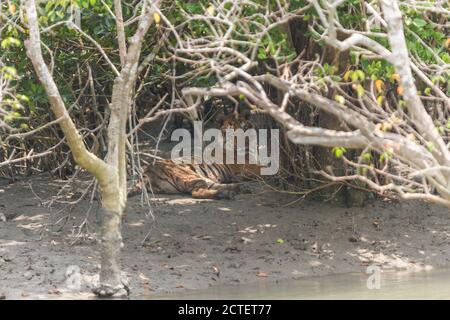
x=368 y=76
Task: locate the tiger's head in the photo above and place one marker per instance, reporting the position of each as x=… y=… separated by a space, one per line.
x=235 y=122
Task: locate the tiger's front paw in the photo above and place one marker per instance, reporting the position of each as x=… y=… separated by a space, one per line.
x=245 y=189
x=226 y=194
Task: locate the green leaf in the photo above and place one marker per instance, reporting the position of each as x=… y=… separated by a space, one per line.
x=262 y=54
x=360 y=90
x=23 y=98
x=194 y=8
x=385 y=156
x=48 y=6
x=366 y=157
x=9 y=72
x=446 y=58
x=340 y=99
x=419 y=23
x=9 y=42
x=360 y=75
x=338 y=151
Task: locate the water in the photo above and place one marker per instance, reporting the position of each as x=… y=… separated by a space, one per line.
x=433 y=284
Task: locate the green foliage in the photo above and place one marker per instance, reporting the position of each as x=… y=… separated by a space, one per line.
x=9 y=73
x=10 y=42
x=366 y=157
x=73 y=54
x=13 y=104
x=385 y=156
x=338 y=152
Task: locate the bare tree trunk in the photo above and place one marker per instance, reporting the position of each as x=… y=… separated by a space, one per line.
x=111 y=281
x=120 y=31
x=297 y=31
x=111 y=174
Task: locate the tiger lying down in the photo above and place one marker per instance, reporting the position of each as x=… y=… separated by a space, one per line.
x=201 y=180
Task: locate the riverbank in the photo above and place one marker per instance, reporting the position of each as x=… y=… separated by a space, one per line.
x=195 y=244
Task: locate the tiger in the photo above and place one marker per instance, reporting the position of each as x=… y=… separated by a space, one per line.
x=200 y=180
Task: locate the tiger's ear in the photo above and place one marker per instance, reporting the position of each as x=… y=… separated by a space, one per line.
x=228 y=109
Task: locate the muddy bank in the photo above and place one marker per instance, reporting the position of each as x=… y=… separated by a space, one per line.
x=192 y=244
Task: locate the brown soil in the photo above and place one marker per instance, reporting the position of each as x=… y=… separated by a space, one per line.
x=193 y=244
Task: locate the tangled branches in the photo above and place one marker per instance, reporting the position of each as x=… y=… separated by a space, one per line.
x=405 y=127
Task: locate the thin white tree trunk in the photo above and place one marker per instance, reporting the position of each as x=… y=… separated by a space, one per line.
x=111 y=174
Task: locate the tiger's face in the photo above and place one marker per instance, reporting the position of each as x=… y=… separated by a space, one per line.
x=234 y=122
